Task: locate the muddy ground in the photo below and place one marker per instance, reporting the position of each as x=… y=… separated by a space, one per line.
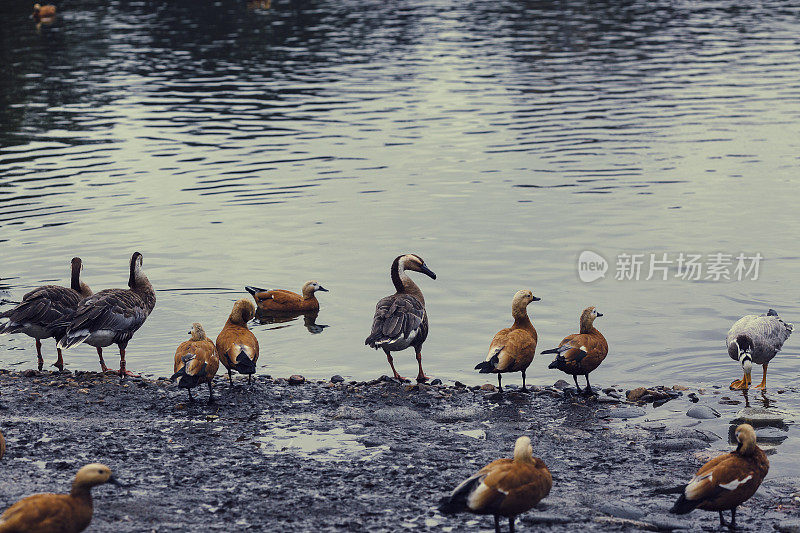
x=323 y=456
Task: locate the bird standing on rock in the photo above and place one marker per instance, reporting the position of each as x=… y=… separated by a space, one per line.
x=58 y=513
x=237 y=347
x=400 y=320
x=505 y=487
x=756 y=339
x=580 y=353
x=512 y=349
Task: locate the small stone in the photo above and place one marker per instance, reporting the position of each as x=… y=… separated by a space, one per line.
x=561 y=384
x=636 y=394
x=679 y=387
x=410 y=388
x=296 y=379
x=488 y=387
x=337 y=379
x=624 y=413
x=758 y=416
x=460 y=385
x=702 y=412
x=436 y=381
x=29 y=373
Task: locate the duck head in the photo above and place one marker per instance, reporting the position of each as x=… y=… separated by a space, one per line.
x=197 y=332
x=587 y=318
x=311 y=287
x=523 y=451
x=243 y=311
x=746 y=437
x=92 y=475
x=521 y=300
x=744 y=347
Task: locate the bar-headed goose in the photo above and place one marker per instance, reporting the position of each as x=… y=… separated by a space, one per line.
x=512 y=349
x=400 y=320
x=283 y=301
x=728 y=480
x=112 y=316
x=42 y=312
x=756 y=339
x=580 y=353
x=505 y=487
x=237 y=347
x=48 y=513
x=196 y=362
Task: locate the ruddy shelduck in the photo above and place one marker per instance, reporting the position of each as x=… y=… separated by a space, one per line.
x=196 y=362
x=237 y=347
x=581 y=353
x=505 y=487
x=43 y=12
x=112 y=316
x=726 y=481
x=44 y=310
x=283 y=301
x=400 y=320
x=58 y=513
x=512 y=349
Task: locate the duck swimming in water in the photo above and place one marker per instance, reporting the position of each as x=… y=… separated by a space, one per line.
x=283 y=301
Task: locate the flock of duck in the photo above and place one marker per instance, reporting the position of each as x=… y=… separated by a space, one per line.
x=504 y=488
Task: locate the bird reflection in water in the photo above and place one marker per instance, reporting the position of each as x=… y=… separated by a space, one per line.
x=309 y=320
x=257 y=5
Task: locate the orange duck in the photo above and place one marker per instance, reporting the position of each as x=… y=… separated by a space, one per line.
x=283 y=301
x=237 y=347
x=512 y=349
x=727 y=481
x=505 y=487
x=582 y=352
x=43 y=12
x=196 y=362
x=58 y=513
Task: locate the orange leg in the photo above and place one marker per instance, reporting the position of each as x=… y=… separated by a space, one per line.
x=122 y=371
x=741 y=384
x=421 y=377
x=103 y=367
x=763 y=384
x=391 y=364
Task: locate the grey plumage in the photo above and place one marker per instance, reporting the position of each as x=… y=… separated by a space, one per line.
x=766 y=333
x=400 y=321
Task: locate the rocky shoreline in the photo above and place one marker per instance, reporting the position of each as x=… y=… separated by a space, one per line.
x=298 y=455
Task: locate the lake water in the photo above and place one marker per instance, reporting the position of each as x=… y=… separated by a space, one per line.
x=235 y=145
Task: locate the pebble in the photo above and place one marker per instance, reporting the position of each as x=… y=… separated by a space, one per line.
x=488 y=387
x=29 y=373
x=758 y=416
x=436 y=381
x=296 y=379
x=702 y=412
x=635 y=394
x=337 y=379
x=623 y=412
x=454 y=414
x=679 y=387
x=460 y=385
x=561 y=384
x=678 y=445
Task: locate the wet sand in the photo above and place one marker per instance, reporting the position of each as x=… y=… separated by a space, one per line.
x=366 y=456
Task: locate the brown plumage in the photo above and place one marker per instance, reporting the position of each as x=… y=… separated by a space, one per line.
x=43 y=12
x=728 y=480
x=512 y=349
x=42 y=312
x=196 y=362
x=283 y=301
x=237 y=347
x=58 y=513
x=506 y=487
x=582 y=352
x=2 y=445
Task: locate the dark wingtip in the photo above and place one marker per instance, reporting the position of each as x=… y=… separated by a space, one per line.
x=552 y=350
x=554 y=364
x=772 y=312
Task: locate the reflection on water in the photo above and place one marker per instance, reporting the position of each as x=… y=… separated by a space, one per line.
x=309 y=320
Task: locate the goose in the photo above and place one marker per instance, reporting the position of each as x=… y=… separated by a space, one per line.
x=196 y=362
x=505 y=487
x=283 y=301
x=237 y=347
x=580 y=353
x=756 y=339
x=43 y=308
x=400 y=320
x=512 y=349
x=43 y=12
x=58 y=513
x=112 y=316
x=726 y=481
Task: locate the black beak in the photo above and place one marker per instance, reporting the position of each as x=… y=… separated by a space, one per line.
x=115 y=481
x=321 y=288
x=253 y=290
x=535 y=298
x=599 y=314
x=427 y=271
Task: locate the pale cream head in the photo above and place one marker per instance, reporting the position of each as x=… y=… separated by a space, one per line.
x=311 y=287
x=523 y=451
x=92 y=475
x=746 y=436
x=197 y=332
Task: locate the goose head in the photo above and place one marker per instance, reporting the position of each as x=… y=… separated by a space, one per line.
x=136 y=269
x=311 y=287
x=77 y=267
x=744 y=348
x=523 y=451
x=415 y=263
x=746 y=437
x=197 y=332
x=92 y=475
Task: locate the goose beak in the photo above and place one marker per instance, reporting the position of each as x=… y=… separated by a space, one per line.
x=323 y=289
x=427 y=271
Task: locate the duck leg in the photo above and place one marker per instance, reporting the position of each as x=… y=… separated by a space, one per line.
x=763 y=384
x=732 y=525
x=496 y=523
x=741 y=384
x=523 y=382
x=511 y=520
x=391 y=364
x=210 y=393
x=722 y=522
x=575 y=377
x=191 y=399
x=39 y=353
x=588 y=390
x=499 y=382
x=59 y=364
x=249 y=377
x=421 y=377
x=230 y=377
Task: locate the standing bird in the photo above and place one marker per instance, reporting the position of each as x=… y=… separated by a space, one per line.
x=512 y=349
x=283 y=301
x=196 y=362
x=43 y=308
x=41 y=12
x=756 y=339
x=580 y=353
x=237 y=347
x=400 y=320
x=728 y=480
x=505 y=487
x=58 y=513
x=112 y=316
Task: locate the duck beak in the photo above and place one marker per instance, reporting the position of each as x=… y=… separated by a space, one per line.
x=115 y=481
x=535 y=298
x=323 y=289
x=253 y=290
x=599 y=314
x=427 y=271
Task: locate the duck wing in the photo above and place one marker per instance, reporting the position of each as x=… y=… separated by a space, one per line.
x=399 y=316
